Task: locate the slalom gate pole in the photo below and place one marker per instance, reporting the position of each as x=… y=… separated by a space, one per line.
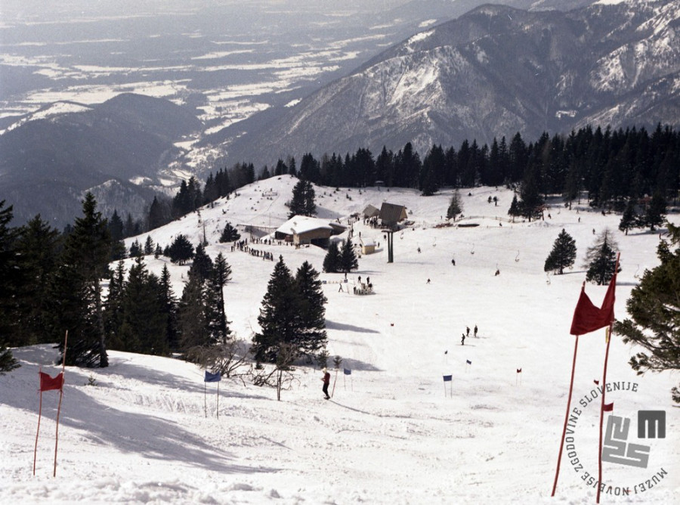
x=61 y=395
x=566 y=417
x=604 y=389
x=218 y=399
x=334 y=381
x=205 y=400
x=35 y=451
x=608 y=334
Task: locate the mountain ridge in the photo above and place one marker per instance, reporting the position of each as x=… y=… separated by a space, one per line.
x=124 y=139
x=495 y=71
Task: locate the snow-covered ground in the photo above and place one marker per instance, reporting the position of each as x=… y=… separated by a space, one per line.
x=394 y=432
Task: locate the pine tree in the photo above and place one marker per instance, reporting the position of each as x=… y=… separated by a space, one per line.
x=8 y=286
x=159 y=214
x=563 y=253
x=302 y=203
x=148 y=245
x=629 y=219
x=656 y=210
x=654 y=308
x=310 y=204
x=136 y=250
x=181 y=250
x=279 y=317
x=114 y=311
x=144 y=322
x=312 y=311
x=348 y=258
x=432 y=170
x=216 y=317
x=530 y=190
x=169 y=308
x=77 y=287
x=332 y=261
x=116 y=231
x=515 y=208
x=37 y=246
x=601 y=258
x=455 y=206
x=193 y=325
x=229 y=234
x=202 y=265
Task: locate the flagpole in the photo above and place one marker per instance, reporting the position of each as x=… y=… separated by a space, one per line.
x=566 y=417
x=218 y=399
x=603 y=389
x=61 y=395
x=334 y=381
x=35 y=451
x=608 y=334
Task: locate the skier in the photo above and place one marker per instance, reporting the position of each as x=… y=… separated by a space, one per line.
x=462 y=339
x=326 y=381
x=475 y=330
x=453 y=262
x=467 y=331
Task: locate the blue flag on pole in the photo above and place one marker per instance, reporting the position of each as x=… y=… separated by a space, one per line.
x=348 y=371
x=212 y=377
x=468 y=362
x=448 y=378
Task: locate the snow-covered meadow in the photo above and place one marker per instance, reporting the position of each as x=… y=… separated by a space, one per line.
x=394 y=432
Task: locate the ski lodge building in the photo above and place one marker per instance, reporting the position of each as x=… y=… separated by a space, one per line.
x=301 y=230
x=391 y=215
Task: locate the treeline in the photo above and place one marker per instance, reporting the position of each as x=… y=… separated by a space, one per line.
x=611 y=166
x=54 y=281
x=190 y=197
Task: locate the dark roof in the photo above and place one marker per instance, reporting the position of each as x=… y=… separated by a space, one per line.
x=391 y=213
x=370 y=211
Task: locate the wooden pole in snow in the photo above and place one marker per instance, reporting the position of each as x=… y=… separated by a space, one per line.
x=35 y=451
x=61 y=395
x=604 y=388
x=566 y=417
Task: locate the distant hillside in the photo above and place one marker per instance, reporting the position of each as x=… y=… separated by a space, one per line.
x=492 y=72
x=46 y=164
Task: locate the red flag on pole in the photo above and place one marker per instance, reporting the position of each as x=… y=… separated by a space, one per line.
x=608 y=407
x=587 y=317
x=48 y=383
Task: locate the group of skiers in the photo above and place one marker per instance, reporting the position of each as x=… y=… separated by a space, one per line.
x=466 y=334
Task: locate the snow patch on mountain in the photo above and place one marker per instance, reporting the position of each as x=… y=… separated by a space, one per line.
x=48 y=112
x=419 y=37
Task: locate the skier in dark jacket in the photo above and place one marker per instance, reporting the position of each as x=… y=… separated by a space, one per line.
x=326 y=381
